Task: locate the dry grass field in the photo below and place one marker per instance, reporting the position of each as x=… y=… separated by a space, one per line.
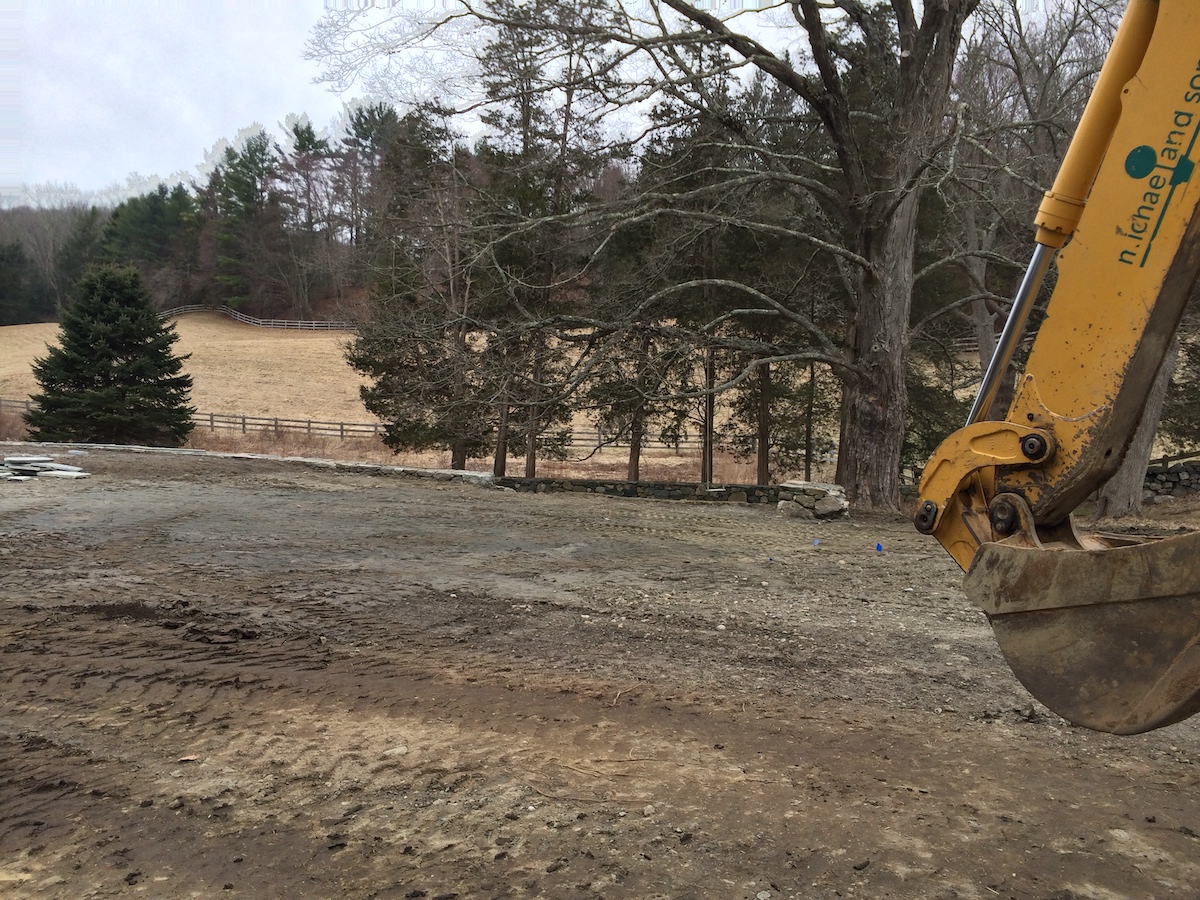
x=279 y=373
x=235 y=368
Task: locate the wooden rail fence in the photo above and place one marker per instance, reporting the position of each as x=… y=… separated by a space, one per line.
x=245 y=424
x=258 y=323
x=213 y=421
x=579 y=440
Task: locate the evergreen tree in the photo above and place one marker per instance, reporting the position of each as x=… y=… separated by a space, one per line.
x=82 y=248
x=113 y=378
x=540 y=159
x=370 y=131
x=302 y=169
x=244 y=251
x=157 y=233
x=24 y=297
x=416 y=343
x=155 y=229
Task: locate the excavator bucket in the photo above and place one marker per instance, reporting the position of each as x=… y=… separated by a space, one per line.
x=1105 y=633
x=1107 y=638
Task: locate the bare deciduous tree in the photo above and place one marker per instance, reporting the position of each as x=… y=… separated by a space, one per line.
x=872 y=87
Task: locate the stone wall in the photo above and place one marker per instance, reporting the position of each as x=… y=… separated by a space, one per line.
x=651 y=490
x=1181 y=479
x=794 y=498
x=802 y=499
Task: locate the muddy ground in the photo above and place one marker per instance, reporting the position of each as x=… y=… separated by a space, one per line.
x=231 y=677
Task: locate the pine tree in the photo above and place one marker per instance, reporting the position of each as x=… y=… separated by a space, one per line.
x=113 y=378
x=429 y=383
x=24 y=297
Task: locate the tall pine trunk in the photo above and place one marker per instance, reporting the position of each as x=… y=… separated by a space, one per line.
x=637 y=421
x=708 y=428
x=637 y=432
x=500 y=459
x=535 y=410
x=764 y=424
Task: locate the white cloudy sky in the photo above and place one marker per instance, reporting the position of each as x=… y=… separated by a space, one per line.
x=95 y=90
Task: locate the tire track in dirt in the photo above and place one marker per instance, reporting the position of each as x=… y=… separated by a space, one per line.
x=767 y=650
x=275 y=768
x=345 y=771
x=606 y=642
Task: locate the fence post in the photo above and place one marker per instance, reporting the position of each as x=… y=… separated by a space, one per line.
x=212 y=422
x=243 y=424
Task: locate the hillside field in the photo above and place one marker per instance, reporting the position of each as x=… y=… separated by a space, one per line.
x=236 y=368
x=280 y=373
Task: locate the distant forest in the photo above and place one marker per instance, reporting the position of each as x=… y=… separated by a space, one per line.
x=782 y=256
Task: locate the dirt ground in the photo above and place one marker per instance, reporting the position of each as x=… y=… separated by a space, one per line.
x=230 y=677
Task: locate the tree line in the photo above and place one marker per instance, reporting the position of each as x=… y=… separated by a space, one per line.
x=644 y=214
x=272 y=229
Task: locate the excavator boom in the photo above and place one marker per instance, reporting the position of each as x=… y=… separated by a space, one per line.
x=1107 y=635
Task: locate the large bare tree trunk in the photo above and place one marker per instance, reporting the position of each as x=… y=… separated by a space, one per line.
x=875 y=404
x=1122 y=494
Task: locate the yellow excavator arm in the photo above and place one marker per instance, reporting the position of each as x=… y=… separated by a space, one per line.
x=1105 y=632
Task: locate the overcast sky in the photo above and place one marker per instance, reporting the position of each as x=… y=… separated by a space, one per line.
x=94 y=91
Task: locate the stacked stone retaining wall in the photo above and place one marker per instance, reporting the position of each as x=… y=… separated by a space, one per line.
x=1181 y=479
x=651 y=490
x=795 y=498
